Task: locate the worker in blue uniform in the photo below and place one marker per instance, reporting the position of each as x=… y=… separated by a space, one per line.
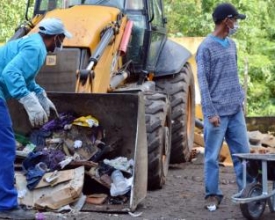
x=20 y=61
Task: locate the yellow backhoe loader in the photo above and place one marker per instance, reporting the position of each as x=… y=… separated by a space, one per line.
x=121 y=66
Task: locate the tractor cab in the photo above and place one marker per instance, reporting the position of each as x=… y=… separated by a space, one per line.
x=148 y=33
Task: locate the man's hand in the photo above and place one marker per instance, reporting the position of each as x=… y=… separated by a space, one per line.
x=46 y=103
x=215 y=120
x=36 y=113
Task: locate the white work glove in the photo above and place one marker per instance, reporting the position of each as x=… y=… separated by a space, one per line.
x=36 y=113
x=46 y=103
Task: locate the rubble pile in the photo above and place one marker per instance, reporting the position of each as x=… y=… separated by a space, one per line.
x=261 y=143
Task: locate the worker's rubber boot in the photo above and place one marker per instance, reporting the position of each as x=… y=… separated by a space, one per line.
x=17 y=213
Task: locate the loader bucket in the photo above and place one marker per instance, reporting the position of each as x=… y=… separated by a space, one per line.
x=121 y=115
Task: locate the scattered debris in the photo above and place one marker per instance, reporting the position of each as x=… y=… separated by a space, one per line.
x=67 y=164
x=135 y=214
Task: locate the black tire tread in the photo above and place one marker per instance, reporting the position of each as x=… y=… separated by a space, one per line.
x=177 y=87
x=156 y=109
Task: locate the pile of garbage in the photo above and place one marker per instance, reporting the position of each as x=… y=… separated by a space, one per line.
x=67 y=163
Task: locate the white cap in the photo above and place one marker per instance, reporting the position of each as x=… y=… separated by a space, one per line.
x=53 y=26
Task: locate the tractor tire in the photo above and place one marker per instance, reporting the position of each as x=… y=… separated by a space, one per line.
x=181 y=89
x=158 y=128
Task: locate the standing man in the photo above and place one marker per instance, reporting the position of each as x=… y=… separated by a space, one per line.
x=222 y=100
x=20 y=61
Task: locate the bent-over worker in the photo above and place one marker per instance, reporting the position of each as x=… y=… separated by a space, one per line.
x=20 y=61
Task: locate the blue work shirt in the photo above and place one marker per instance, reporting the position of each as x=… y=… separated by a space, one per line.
x=20 y=61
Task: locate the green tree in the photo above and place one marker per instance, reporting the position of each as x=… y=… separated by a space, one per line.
x=11 y=15
x=255 y=41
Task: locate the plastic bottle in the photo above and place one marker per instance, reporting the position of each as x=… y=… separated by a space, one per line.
x=118 y=178
x=119 y=185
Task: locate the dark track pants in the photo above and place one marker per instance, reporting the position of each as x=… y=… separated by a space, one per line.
x=8 y=193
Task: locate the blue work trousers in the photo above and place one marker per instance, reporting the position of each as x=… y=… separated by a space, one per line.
x=8 y=193
x=233 y=130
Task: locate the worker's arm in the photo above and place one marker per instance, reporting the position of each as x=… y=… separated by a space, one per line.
x=41 y=94
x=34 y=87
x=204 y=73
x=19 y=73
x=20 y=70
x=25 y=75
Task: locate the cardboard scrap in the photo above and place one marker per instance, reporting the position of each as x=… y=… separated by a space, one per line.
x=104 y=180
x=62 y=176
x=96 y=199
x=51 y=197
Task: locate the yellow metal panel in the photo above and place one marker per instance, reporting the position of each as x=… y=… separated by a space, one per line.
x=198 y=111
x=106 y=64
x=86 y=24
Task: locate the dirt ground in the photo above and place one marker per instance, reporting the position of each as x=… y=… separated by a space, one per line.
x=182 y=199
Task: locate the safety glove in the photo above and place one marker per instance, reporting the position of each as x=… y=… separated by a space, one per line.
x=36 y=113
x=46 y=103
